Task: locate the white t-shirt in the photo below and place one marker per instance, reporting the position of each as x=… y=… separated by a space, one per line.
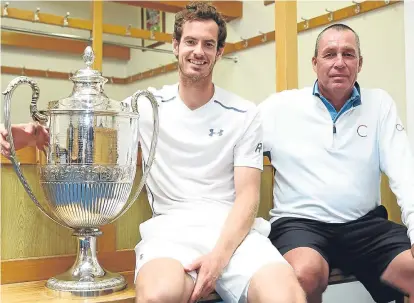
x=335 y=177
x=197 y=151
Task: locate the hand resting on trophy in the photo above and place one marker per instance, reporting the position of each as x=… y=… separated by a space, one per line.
x=30 y=134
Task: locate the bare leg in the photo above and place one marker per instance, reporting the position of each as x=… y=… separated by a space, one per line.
x=312 y=271
x=163 y=281
x=275 y=283
x=400 y=273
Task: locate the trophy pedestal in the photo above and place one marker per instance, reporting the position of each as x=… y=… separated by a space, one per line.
x=86 y=278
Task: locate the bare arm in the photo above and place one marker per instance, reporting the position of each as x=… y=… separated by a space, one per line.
x=243 y=213
x=29 y=134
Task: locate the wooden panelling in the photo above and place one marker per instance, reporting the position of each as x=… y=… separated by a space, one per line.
x=61 y=45
x=230 y=9
x=26 y=155
x=127 y=227
x=34 y=269
x=286 y=45
x=30 y=72
x=266 y=193
x=390 y=201
x=97 y=33
x=25 y=231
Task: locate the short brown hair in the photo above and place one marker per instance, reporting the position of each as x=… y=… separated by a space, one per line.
x=338 y=27
x=200 y=11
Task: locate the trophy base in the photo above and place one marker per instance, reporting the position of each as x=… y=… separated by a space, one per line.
x=66 y=285
x=86 y=278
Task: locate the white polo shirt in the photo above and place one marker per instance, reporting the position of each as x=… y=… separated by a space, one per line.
x=197 y=151
x=333 y=176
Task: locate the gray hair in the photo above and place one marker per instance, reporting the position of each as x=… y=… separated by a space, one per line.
x=338 y=27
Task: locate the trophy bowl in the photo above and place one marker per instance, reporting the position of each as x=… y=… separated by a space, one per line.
x=87 y=171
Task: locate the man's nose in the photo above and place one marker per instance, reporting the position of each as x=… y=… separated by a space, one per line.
x=339 y=61
x=198 y=49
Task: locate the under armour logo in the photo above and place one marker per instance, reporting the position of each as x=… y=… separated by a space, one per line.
x=218 y=133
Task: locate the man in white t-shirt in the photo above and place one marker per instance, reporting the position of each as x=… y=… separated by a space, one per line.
x=204 y=185
x=329 y=145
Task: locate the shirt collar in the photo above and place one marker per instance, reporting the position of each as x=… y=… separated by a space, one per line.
x=355 y=97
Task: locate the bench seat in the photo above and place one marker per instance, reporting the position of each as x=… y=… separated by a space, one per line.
x=37 y=292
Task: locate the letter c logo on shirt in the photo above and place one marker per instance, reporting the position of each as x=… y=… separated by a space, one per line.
x=399 y=127
x=362 y=130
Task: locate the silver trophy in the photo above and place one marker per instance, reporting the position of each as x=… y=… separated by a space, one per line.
x=88 y=170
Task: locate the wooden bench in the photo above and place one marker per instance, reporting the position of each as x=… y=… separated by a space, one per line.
x=37 y=292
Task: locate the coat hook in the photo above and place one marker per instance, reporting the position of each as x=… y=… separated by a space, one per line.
x=387 y=2
x=47 y=73
x=5 y=12
x=36 y=15
x=140 y=76
x=128 y=30
x=245 y=42
x=162 y=68
x=264 y=36
x=152 y=36
x=23 y=72
x=306 y=24
x=357 y=7
x=330 y=15
x=66 y=19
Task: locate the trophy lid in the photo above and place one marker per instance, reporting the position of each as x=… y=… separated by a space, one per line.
x=88 y=74
x=88 y=93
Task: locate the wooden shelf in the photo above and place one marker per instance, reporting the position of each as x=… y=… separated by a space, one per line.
x=229 y=9
x=60 y=45
x=26 y=15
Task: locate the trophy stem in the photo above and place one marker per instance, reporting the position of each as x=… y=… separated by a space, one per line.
x=86 y=278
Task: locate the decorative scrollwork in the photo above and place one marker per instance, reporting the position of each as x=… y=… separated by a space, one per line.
x=87 y=173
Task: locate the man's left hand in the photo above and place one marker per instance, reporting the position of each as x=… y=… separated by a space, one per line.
x=209 y=268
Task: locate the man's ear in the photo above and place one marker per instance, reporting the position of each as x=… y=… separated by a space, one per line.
x=219 y=53
x=361 y=60
x=175 y=47
x=314 y=63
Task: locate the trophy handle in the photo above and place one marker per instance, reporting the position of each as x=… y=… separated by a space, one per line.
x=146 y=169
x=38 y=117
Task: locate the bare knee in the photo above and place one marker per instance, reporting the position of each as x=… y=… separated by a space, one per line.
x=163 y=281
x=311 y=269
x=275 y=283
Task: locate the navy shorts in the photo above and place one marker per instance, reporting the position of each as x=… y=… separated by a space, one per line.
x=363 y=247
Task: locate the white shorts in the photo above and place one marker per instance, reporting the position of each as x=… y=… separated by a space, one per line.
x=166 y=237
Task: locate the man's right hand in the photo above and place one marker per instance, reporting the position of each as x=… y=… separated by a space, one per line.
x=24 y=135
